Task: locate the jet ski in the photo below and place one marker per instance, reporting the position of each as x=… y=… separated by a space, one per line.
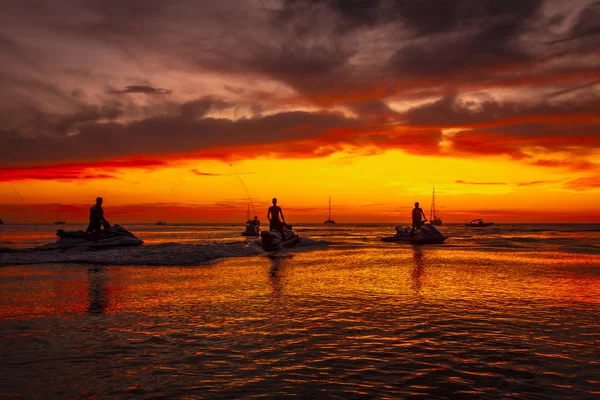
x=478 y=223
x=115 y=236
x=273 y=240
x=426 y=234
x=251 y=229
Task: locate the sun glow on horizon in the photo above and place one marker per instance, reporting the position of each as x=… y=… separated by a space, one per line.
x=364 y=188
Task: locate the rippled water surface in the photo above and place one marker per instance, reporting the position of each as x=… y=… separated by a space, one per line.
x=508 y=312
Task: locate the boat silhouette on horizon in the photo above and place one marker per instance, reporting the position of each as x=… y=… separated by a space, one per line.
x=434 y=219
x=478 y=223
x=252 y=229
x=329 y=220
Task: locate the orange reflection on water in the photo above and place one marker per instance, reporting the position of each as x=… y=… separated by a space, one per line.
x=364 y=275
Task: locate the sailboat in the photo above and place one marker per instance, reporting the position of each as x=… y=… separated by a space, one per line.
x=58 y=221
x=329 y=220
x=434 y=219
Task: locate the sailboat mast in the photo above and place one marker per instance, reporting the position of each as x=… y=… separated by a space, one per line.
x=432 y=211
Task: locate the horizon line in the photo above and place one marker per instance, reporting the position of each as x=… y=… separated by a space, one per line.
x=298 y=223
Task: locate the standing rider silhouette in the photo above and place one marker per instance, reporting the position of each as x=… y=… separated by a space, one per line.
x=273 y=215
x=418 y=218
x=97 y=219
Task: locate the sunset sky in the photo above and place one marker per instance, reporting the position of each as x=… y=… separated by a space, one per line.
x=187 y=110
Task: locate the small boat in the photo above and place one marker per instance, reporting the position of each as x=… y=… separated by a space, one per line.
x=252 y=228
x=115 y=236
x=1 y=222
x=329 y=220
x=478 y=223
x=426 y=234
x=273 y=240
x=435 y=220
x=58 y=221
x=161 y=222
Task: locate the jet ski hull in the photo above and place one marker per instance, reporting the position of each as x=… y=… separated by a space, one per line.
x=273 y=241
x=427 y=234
x=480 y=225
x=115 y=236
x=251 y=230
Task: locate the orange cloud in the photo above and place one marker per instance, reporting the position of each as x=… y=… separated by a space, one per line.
x=103 y=169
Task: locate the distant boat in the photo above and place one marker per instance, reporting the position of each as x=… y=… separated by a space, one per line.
x=329 y=220
x=434 y=219
x=478 y=223
x=252 y=229
x=58 y=221
x=1 y=222
x=161 y=223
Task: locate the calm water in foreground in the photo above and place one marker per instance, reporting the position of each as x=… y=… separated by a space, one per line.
x=510 y=311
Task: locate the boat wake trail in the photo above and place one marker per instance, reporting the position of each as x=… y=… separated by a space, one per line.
x=160 y=254
x=306 y=244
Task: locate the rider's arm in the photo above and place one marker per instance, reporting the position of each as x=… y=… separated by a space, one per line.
x=269 y=215
x=282 y=217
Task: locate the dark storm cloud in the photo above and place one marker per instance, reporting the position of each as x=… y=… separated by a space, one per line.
x=463 y=35
x=587 y=25
x=493 y=17
x=372 y=109
x=164 y=135
x=492 y=128
x=573 y=89
x=141 y=89
x=31 y=121
x=353 y=13
x=198 y=108
x=451 y=111
x=330 y=54
x=431 y=36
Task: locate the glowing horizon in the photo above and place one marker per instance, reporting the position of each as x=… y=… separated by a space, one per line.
x=367 y=188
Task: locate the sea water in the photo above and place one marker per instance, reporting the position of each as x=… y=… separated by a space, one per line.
x=198 y=311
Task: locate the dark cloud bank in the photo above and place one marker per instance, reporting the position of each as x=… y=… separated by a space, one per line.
x=358 y=56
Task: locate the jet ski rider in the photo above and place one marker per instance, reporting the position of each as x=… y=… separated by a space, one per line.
x=418 y=218
x=97 y=219
x=273 y=215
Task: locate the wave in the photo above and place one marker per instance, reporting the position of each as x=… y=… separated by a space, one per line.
x=306 y=244
x=581 y=249
x=158 y=254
